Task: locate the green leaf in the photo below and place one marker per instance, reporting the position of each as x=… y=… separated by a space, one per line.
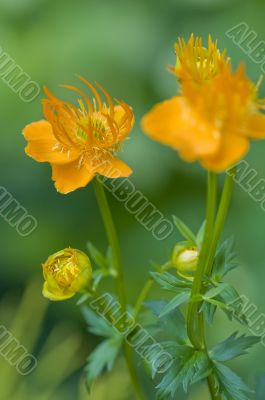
x=216 y=303
x=200 y=235
x=189 y=367
x=83 y=299
x=110 y=262
x=184 y=230
x=168 y=323
x=230 y=384
x=177 y=301
x=234 y=303
x=97 y=277
x=170 y=282
x=99 y=258
x=98 y=325
x=225 y=260
x=260 y=387
x=215 y=291
x=102 y=357
x=204 y=369
x=233 y=347
x=209 y=311
x=226 y=298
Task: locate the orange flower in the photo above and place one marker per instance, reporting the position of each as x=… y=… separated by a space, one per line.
x=198 y=63
x=210 y=122
x=80 y=142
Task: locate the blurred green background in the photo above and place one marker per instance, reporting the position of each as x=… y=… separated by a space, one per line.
x=125 y=46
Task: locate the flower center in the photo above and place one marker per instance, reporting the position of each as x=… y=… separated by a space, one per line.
x=64 y=270
x=100 y=128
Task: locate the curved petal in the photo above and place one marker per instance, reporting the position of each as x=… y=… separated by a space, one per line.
x=175 y=123
x=51 y=295
x=112 y=167
x=233 y=148
x=124 y=117
x=69 y=177
x=256 y=126
x=43 y=146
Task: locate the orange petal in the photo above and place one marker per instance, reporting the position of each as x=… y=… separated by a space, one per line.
x=233 y=148
x=256 y=126
x=113 y=168
x=69 y=177
x=42 y=144
x=124 y=117
x=174 y=123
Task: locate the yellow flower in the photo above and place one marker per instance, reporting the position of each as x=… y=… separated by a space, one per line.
x=211 y=122
x=80 y=142
x=66 y=272
x=196 y=62
x=185 y=260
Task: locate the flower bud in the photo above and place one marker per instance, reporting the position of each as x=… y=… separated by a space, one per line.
x=185 y=259
x=66 y=272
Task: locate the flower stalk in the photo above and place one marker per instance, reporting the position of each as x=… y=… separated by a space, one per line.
x=213 y=231
x=116 y=254
x=193 y=324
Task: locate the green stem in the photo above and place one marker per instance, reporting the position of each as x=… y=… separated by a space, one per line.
x=212 y=388
x=116 y=254
x=142 y=296
x=113 y=239
x=146 y=289
x=206 y=259
x=221 y=217
x=195 y=324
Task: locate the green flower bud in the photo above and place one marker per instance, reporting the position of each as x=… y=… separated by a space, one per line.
x=185 y=259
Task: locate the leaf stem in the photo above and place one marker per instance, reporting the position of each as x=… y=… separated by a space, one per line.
x=114 y=243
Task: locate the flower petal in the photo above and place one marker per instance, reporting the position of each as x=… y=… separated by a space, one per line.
x=256 y=126
x=69 y=177
x=42 y=144
x=175 y=123
x=55 y=296
x=233 y=148
x=124 y=117
x=112 y=167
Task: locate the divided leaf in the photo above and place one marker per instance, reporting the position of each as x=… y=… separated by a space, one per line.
x=229 y=384
x=98 y=325
x=172 y=324
x=225 y=297
x=225 y=260
x=103 y=357
x=170 y=282
x=189 y=367
x=177 y=301
x=233 y=347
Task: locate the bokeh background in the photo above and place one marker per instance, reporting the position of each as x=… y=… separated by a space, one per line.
x=126 y=46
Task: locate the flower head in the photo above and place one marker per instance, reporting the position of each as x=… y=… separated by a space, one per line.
x=210 y=122
x=196 y=62
x=80 y=141
x=185 y=259
x=66 y=272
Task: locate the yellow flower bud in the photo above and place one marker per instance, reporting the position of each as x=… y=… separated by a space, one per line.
x=66 y=272
x=185 y=259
